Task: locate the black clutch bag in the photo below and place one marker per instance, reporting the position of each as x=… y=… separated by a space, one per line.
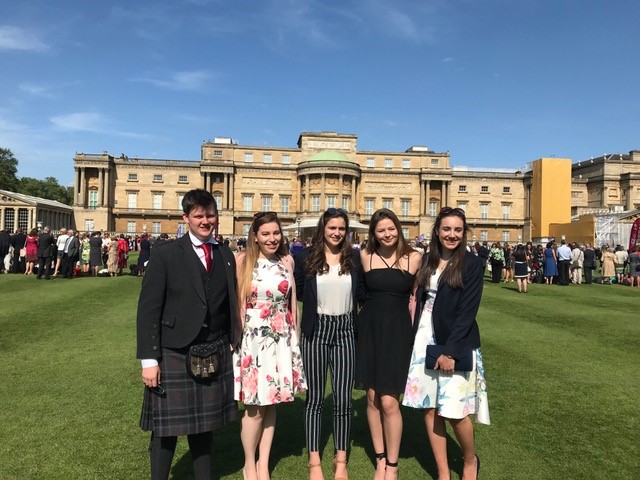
x=463 y=364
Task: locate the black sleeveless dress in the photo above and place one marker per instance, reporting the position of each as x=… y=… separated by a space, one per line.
x=385 y=335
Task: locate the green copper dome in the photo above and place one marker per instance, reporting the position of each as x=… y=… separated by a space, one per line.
x=328 y=155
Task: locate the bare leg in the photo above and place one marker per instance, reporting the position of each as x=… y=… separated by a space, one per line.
x=374 y=416
x=315 y=466
x=525 y=282
x=250 y=433
x=519 y=284
x=463 y=428
x=437 y=433
x=392 y=426
x=266 y=440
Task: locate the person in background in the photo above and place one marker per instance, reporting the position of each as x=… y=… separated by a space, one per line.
x=17 y=242
x=268 y=365
x=589 y=263
x=85 y=253
x=385 y=334
x=5 y=244
x=620 y=261
x=326 y=276
x=564 y=262
x=31 y=246
x=608 y=269
x=577 y=261
x=496 y=259
x=145 y=253
x=634 y=266
x=123 y=253
x=46 y=246
x=450 y=285
x=112 y=258
x=60 y=241
x=550 y=263
x=70 y=256
x=106 y=241
x=95 y=253
x=521 y=265
x=509 y=263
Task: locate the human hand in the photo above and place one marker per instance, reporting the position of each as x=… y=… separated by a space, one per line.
x=445 y=364
x=151 y=376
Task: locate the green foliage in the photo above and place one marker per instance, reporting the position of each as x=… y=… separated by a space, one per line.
x=48 y=188
x=560 y=365
x=8 y=170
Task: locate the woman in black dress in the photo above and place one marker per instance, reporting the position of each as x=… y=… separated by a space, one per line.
x=385 y=334
x=145 y=253
x=95 y=253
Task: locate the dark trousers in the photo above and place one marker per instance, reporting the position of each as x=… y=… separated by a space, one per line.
x=44 y=266
x=563 y=266
x=588 y=274
x=333 y=345
x=496 y=272
x=18 y=263
x=66 y=265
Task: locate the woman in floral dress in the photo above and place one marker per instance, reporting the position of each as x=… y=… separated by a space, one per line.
x=268 y=365
x=448 y=297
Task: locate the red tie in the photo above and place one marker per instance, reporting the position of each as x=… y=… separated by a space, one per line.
x=207 y=255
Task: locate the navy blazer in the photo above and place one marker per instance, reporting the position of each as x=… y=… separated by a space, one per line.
x=173 y=304
x=455 y=309
x=307 y=289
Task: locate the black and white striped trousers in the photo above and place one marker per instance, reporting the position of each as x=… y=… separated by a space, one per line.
x=333 y=345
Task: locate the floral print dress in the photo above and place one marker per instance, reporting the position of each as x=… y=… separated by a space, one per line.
x=453 y=395
x=268 y=366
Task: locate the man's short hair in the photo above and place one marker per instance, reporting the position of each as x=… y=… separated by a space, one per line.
x=46 y=229
x=198 y=198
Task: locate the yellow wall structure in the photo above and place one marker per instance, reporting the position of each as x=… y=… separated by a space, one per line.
x=582 y=231
x=550 y=194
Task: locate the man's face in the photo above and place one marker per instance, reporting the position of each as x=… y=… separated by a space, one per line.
x=202 y=222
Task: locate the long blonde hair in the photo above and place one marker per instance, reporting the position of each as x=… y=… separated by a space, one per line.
x=253 y=251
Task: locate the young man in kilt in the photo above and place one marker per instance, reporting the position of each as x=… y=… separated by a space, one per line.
x=188 y=298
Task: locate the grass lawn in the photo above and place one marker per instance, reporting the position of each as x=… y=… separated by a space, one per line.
x=559 y=360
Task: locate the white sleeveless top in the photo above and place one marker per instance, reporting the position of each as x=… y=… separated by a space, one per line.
x=334 y=292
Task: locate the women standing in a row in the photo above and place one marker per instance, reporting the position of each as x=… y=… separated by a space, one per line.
x=550 y=263
x=448 y=297
x=385 y=335
x=31 y=247
x=326 y=279
x=521 y=270
x=268 y=365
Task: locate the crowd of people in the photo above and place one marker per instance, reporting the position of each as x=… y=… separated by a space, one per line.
x=372 y=317
x=568 y=263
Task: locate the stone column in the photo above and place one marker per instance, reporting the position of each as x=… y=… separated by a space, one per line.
x=107 y=187
x=225 y=197
x=630 y=197
x=427 y=196
x=76 y=185
x=323 y=204
x=307 y=190
x=101 y=187
x=299 y=193
x=82 y=188
x=231 y=192
x=2 y=218
x=340 y=180
x=354 y=199
x=421 y=202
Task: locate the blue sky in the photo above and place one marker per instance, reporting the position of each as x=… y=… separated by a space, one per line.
x=496 y=83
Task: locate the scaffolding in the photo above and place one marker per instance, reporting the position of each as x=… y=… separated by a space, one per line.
x=610 y=230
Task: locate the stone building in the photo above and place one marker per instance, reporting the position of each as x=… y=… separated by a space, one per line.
x=324 y=169
x=27 y=212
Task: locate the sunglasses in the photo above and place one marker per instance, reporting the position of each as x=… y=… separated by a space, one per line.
x=333 y=211
x=259 y=215
x=454 y=211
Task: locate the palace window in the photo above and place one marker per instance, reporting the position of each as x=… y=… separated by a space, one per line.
x=248 y=157
x=433 y=206
x=484 y=189
x=284 y=203
x=315 y=203
x=388 y=162
x=133 y=177
x=406 y=205
x=88 y=224
x=182 y=179
x=180 y=197
x=368 y=207
x=266 y=203
x=484 y=211
x=23 y=219
x=505 y=235
x=132 y=200
x=217 y=153
x=405 y=233
x=506 y=190
x=266 y=158
x=371 y=162
x=462 y=205
x=331 y=201
x=286 y=159
x=247 y=203
x=387 y=203
x=157 y=177
x=93 y=198
x=218 y=198
x=435 y=161
x=406 y=163
x=462 y=189
x=131 y=227
x=484 y=236
x=157 y=201
x=245 y=229
x=506 y=211
x=345 y=202
x=156 y=227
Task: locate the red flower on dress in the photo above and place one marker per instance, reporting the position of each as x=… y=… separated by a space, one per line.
x=283 y=287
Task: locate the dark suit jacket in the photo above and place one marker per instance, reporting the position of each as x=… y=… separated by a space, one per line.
x=17 y=242
x=455 y=309
x=74 y=247
x=173 y=304
x=307 y=289
x=589 y=258
x=45 y=245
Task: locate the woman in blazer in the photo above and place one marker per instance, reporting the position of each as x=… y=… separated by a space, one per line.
x=448 y=297
x=326 y=279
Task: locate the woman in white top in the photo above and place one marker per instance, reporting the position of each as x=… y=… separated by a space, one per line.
x=326 y=279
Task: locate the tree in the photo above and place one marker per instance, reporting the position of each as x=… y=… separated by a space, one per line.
x=8 y=170
x=48 y=188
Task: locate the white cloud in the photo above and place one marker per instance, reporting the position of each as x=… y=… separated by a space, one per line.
x=15 y=38
x=194 y=80
x=36 y=90
x=92 y=122
x=448 y=60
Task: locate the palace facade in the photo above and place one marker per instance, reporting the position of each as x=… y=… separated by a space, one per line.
x=325 y=169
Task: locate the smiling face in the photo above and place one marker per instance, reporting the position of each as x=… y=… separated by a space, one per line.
x=386 y=233
x=334 y=232
x=269 y=238
x=450 y=232
x=202 y=222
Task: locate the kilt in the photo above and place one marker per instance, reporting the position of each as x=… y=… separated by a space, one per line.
x=190 y=406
